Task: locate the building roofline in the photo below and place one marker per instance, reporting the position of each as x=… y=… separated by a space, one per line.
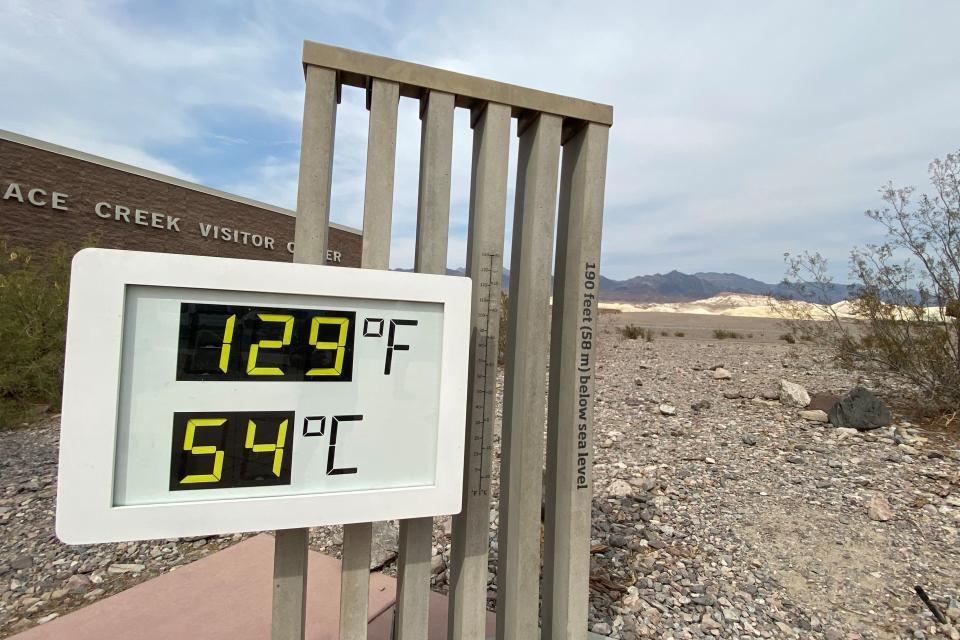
x=153 y=175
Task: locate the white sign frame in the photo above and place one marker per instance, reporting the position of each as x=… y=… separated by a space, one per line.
x=100 y=277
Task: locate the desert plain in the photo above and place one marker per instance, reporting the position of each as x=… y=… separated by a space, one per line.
x=719 y=512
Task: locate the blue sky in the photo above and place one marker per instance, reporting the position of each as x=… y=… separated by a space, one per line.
x=742 y=130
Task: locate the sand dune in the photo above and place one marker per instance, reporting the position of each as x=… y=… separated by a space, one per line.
x=747 y=306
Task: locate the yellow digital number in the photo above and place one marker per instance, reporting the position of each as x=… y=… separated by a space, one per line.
x=252 y=368
x=339 y=346
x=203 y=450
x=227 y=341
x=275 y=449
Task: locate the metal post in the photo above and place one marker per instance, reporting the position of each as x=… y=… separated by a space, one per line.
x=310 y=234
x=355 y=580
x=289 y=584
x=316 y=166
x=574 y=331
x=466 y=619
x=382 y=100
x=521 y=467
x=433 y=220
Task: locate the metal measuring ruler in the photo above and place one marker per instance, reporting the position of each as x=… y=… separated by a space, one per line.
x=484 y=384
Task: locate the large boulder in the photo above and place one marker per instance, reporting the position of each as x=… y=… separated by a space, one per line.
x=793 y=394
x=860 y=410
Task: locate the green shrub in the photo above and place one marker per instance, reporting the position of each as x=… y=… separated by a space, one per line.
x=33 y=322
x=723 y=334
x=632 y=332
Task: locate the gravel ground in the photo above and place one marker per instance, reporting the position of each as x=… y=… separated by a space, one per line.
x=732 y=518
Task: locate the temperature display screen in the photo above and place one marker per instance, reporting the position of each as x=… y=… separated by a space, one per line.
x=232 y=342
x=202 y=416
x=221 y=449
x=209 y=395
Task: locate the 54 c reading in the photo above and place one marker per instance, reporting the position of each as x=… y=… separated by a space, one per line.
x=233 y=342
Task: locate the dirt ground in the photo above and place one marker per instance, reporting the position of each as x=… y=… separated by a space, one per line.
x=701 y=326
x=719 y=511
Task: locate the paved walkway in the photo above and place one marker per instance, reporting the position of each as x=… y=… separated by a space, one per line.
x=227 y=596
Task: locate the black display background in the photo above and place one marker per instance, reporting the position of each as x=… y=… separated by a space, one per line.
x=242 y=467
x=201 y=339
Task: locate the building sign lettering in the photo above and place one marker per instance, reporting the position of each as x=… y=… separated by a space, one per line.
x=37 y=197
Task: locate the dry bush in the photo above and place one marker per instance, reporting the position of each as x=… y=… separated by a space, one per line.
x=632 y=332
x=905 y=296
x=33 y=321
x=723 y=334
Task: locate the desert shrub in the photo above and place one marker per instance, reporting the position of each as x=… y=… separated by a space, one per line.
x=33 y=319
x=679 y=334
x=723 y=334
x=632 y=332
x=788 y=338
x=906 y=294
x=664 y=333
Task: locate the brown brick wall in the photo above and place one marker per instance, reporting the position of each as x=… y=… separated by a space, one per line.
x=86 y=184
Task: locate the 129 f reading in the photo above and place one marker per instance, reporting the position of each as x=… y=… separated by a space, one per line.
x=230 y=342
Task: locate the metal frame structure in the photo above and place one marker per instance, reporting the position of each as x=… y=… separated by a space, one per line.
x=547 y=124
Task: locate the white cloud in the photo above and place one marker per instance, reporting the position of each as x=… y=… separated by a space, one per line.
x=763 y=121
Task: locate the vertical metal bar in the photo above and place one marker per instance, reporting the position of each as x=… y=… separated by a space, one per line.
x=289 y=584
x=524 y=406
x=413 y=579
x=433 y=221
x=316 y=166
x=433 y=204
x=383 y=98
x=574 y=334
x=310 y=238
x=466 y=619
x=355 y=580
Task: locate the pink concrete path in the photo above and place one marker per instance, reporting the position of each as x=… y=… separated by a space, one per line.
x=227 y=596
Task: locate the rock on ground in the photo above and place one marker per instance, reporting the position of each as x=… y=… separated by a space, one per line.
x=879 y=509
x=860 y=409
x=793 y=394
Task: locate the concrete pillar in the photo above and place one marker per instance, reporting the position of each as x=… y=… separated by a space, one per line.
x=524 y=407
x=316 y=166
x=383 y=98
x=471 y=527
x=355 y=580
x=289 y=584
x=310 y=237
x=433 y=221
x=433 y=203
x=574 y=335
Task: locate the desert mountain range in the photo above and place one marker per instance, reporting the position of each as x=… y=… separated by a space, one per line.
x=675 y=286
x=681 y=287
